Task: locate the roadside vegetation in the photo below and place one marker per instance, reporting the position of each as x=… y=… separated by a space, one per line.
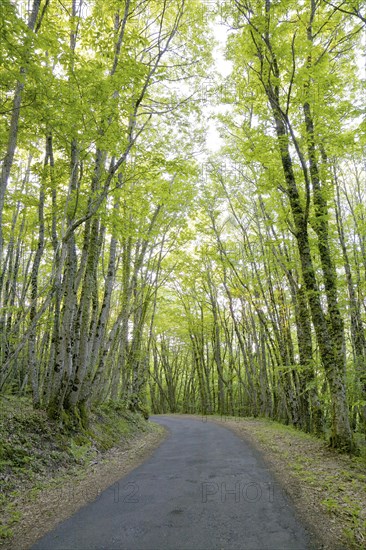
x=37 y=454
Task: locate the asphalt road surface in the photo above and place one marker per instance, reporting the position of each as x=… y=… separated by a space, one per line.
x=203 y=488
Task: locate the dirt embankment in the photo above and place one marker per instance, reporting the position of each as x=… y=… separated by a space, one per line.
x=47 y=473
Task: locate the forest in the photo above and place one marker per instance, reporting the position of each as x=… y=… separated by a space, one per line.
x=141 y=264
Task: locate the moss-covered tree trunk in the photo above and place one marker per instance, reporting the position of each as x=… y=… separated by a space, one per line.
x=327 y=334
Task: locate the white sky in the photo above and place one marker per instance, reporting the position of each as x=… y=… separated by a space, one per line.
x=224 y=67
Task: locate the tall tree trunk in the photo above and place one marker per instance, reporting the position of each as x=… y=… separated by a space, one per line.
x=33 y=367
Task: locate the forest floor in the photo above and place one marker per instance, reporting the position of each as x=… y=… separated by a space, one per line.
x=328 y=489
x=47 y=473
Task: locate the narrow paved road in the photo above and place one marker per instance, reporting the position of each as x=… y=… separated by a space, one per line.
x=203 y=488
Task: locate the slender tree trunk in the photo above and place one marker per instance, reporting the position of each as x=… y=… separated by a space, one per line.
x=33 y=367
x=14 y=124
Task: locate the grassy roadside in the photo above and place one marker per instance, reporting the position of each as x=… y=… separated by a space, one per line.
x=328 y=489
x=47 y=473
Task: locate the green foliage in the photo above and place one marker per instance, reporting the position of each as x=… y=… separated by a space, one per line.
x=331 y=504
x=176 y=279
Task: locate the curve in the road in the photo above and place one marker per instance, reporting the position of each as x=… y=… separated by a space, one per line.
x=203 y=488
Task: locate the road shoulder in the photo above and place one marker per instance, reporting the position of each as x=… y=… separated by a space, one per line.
x=42 y=509
x=327 y=489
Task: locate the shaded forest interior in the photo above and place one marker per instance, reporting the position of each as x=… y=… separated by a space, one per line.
x=141 y=264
